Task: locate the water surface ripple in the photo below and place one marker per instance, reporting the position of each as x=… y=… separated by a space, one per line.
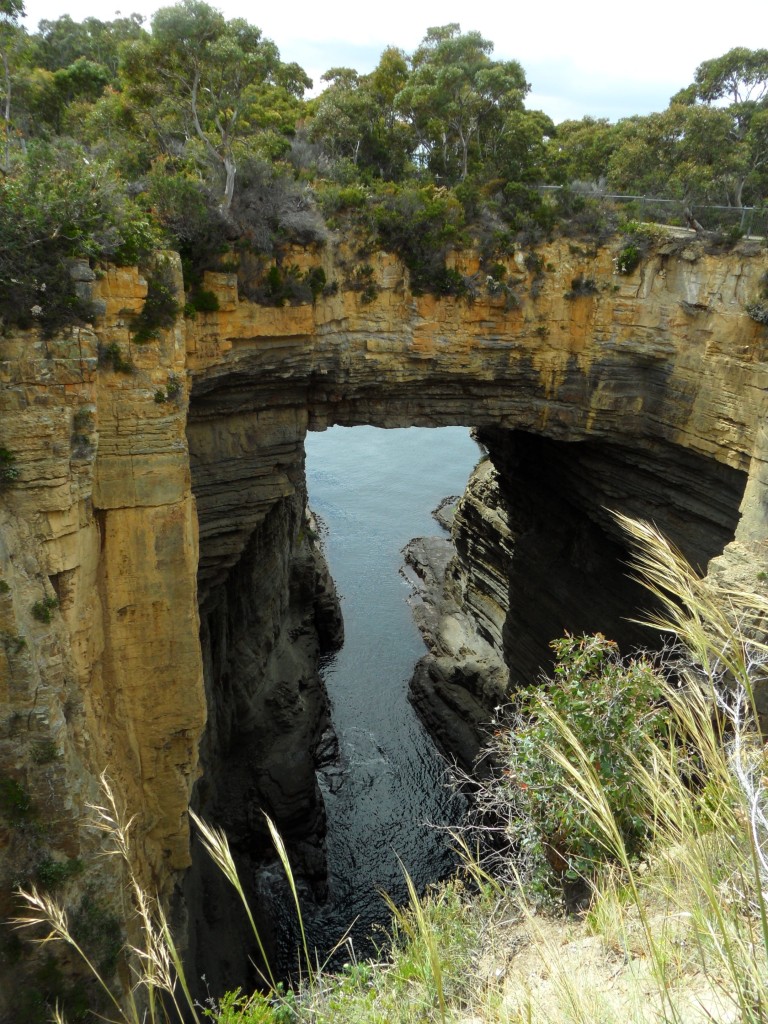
x=374 y=490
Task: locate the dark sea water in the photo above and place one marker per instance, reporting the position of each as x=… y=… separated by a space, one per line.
x=374 y=490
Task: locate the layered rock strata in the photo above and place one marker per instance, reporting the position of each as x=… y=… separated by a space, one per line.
x=263 y=633
x=135 y=514
x=465 y=602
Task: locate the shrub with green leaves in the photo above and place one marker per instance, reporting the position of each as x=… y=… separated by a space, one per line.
x=628 y=259
x=111 y=355
x=43 y=610
x=581 y=287
x=420 y=224
x=9 y=471
x=160 y=307
x=15 y=803
x=203 y=300
x=608 y=708
x=56 y=206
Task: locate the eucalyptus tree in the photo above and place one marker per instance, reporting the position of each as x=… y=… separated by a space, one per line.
x=684 y=152
x=355 y=117
x=343 y=115
x=11 y=11
x=457 y=98
x=736 y=84
x=580 y=150
x=220 y=83
x=63 y=41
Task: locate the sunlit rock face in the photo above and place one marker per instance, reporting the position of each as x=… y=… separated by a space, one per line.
x=163 y=523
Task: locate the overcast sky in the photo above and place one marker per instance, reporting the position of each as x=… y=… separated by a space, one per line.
x=595 y=57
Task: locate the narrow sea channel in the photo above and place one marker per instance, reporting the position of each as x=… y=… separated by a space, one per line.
x=386 y=799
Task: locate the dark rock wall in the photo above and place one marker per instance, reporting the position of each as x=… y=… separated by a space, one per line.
x=263 y=632
x=569 y=569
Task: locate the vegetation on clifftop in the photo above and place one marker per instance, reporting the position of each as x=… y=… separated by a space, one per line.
x=193 y=134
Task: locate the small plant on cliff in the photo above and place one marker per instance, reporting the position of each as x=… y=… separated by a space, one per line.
x=203 y=300
x=174 y=389
x=44 y=752
x=43 y=610
x=160 y=307
x=15 y=803
x=289 y=284
x=758 y=309
x=581 y=286
x=53 y=874
x=8 y=469
x=628 y=259
x=363 y=280
x=111 y=355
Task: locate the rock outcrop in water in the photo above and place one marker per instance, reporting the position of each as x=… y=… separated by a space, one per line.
x=157 y=517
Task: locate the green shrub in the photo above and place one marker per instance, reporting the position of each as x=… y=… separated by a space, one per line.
x=111 y=355
x=160 y=307
x=281 y=285
x=4 y=587
x=15 y=803
x=235 y=1008
x=628 y=259
x=580 y=287
x=203 y=300
x=448 y=281
x=189 y=216
x=363 y=281
x=316 y=279
x=56 y=206
x=8 y=469
x=172 y=390
x=420 y=224
x=52 y=874
x=611 y=708
x=43 y=610
x=44 y=752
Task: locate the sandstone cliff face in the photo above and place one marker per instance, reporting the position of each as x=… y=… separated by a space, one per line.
x=140 y=517
x=100 y=666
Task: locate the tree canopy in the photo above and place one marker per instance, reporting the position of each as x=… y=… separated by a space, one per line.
x=210 y=80
x=193 y=132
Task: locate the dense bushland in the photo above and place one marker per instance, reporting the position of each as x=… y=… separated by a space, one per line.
x=191 y=133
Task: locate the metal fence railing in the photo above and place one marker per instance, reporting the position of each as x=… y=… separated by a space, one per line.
x=747 y=220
